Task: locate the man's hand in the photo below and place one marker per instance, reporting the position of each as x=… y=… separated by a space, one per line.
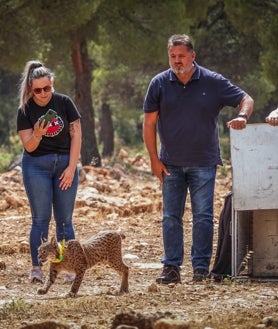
x=158 y=169
x=237 y=123
x=272 y=118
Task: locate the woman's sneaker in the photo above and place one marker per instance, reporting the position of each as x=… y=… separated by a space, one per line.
x=169 y=275
x=35 y=274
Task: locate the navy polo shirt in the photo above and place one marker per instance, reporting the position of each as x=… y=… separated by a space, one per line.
x=188 y=115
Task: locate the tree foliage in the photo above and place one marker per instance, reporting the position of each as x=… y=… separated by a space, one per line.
x=15 y=43
x=259 y=20
x=237 y=38
x=104 y=54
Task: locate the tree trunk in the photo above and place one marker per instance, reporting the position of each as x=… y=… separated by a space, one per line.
x=106 y=133
x=82 y=67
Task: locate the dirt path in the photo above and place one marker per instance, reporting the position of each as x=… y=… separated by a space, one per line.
x=130 y=201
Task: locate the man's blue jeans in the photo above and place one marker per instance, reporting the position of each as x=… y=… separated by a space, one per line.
x=41 y=180
x=200 y=182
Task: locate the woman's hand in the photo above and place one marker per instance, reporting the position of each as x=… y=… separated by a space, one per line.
x=66 y=178
x=39 y=131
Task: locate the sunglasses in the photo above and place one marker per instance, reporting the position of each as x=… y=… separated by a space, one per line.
x=46 y=89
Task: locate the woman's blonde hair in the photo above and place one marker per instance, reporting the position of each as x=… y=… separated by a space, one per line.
x=33 y=70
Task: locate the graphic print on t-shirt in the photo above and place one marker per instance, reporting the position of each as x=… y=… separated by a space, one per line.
x=55 y=127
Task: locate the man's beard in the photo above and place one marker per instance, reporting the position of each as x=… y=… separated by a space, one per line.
x=182 y=70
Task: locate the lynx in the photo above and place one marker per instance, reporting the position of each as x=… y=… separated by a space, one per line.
x=76 y=257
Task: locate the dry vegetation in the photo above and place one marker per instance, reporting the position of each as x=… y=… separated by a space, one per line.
x=124 y=197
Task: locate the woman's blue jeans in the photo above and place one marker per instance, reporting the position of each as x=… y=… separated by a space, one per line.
x=200 y=182
x=41 y=180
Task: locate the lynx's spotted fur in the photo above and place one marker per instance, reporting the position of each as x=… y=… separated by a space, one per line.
x=104 y=247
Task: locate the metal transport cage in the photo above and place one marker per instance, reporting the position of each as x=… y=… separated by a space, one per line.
x=254 y=158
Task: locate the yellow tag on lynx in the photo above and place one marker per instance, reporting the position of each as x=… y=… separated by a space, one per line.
x=61 y=247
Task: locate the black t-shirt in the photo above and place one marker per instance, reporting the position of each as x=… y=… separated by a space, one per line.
x=57 y=138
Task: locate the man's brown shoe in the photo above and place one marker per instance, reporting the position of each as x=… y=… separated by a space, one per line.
x=169 y=275
x=200 y=274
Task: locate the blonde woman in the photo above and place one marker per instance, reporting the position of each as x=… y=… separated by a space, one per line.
x=50 y=156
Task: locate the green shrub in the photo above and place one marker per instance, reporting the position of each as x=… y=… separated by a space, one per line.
x=5 y=160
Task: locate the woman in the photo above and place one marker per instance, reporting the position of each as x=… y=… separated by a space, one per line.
x=50 y=156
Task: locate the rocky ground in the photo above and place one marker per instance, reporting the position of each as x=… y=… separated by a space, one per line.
x=122 y=196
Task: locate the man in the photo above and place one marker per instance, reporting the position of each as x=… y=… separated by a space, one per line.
x=272 y=118
x=183 y=103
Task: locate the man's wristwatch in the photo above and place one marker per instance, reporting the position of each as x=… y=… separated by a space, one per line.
x=243 y=115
